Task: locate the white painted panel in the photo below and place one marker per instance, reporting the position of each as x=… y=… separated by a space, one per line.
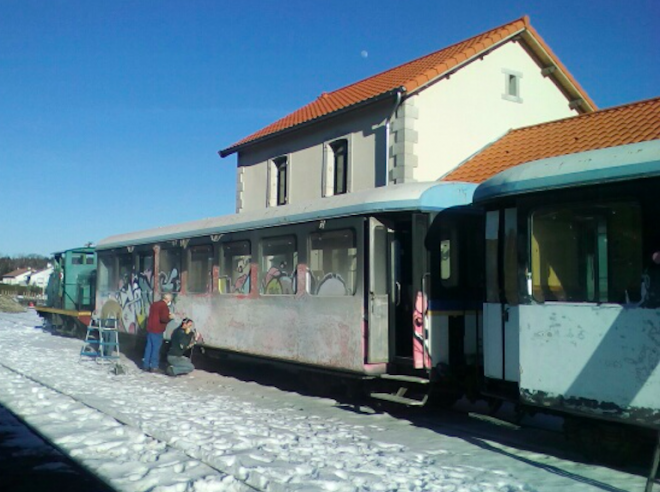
x=512 y=345
x=493 y=341
x=605 y=353
x=439 y=339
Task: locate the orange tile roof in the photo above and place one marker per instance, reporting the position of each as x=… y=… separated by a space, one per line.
x=415 y=74
x=620 y=125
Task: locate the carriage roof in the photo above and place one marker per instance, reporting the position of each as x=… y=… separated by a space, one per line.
x=621 y=163
x=432 y=196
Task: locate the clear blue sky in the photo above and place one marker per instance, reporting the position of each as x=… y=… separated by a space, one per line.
x=112 y=112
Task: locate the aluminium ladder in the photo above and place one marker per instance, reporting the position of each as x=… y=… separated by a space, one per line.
x=102 y=340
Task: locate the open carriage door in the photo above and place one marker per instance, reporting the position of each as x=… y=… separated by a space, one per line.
x=378 y=293
x=501 y=331
x=420 y=275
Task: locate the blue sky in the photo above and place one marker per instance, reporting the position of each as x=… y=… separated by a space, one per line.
x=112 y=112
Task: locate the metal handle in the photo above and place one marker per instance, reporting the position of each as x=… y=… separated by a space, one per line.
x=397 y=298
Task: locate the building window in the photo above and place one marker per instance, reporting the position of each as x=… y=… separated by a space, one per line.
x=278 y=182
x=336 y=173
x=512 y=86
x=279 y=258
x=235 y=259
x=200 y=268
x=340 y=152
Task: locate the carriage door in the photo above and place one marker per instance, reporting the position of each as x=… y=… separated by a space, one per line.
x=420 y=291
x=501 y=310
x=378 y=292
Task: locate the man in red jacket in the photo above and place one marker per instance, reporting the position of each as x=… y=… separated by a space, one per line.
x=159 y=316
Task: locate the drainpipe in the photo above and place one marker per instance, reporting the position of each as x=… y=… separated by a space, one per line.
x=399 y=96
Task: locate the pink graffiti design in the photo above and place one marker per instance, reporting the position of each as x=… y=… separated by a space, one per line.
x=421 y=352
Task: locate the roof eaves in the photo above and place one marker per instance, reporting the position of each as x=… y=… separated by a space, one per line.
x=382 y=96
x=563 y=77
x=416 y=85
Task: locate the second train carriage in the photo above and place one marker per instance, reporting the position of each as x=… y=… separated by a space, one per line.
x=336 y=284
x=571 y=272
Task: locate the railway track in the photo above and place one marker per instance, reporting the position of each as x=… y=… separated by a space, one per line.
x=126 y=434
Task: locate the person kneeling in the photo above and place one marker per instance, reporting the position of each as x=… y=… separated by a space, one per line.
x=183 y=338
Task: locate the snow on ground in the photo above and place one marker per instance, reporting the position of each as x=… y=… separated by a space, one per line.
x=206 y=432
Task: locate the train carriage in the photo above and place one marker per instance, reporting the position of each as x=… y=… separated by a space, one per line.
x=572 y=283
x=333 y=284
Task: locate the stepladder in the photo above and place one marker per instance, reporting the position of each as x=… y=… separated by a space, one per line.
x=101 y=340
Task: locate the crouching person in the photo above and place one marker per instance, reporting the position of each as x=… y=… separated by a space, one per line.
x=183 y=338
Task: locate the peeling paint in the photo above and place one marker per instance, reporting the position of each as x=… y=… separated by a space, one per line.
x=647 y=417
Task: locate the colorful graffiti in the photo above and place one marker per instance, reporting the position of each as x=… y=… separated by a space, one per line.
x=169 y=281
x=130 y=303
x=421 y=349
x=242 y=282
x=278 y=281
x=332 y=284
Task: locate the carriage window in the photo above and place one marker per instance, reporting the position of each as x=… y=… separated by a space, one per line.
x=492 y=242
x=106 y=273
x=445 y=259
x=77 y=259
x=169 y=275
x=146 y=264
x=332 y=263
x=89 y=259
x=200 y=268
x=279 y=258
x=146 y=274
x=235 y=261
x=587 y=254
x=125 y=270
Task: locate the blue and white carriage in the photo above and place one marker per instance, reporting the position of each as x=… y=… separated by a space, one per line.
x=572 y=283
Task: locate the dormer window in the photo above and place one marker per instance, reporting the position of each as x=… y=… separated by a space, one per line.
x=512 y=86
x=336 y=173
x=278 y=181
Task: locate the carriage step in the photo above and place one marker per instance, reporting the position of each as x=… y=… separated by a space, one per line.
x=406 y=379
x=399 y=399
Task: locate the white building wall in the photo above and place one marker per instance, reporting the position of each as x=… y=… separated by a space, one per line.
x=17 y=280
x=40 y=278
x=460 y=115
